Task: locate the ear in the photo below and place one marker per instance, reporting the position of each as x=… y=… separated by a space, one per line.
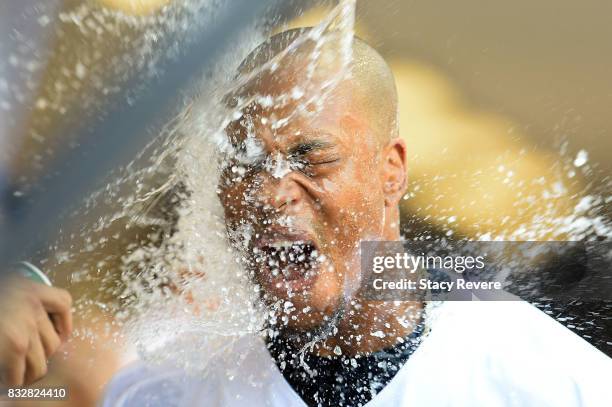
x=394 y=171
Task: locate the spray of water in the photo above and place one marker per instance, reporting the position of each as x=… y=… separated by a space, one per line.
x=156 y=245
x=183 y=286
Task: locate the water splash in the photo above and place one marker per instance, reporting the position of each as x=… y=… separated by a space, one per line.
x=160 y=223
x=182 y=286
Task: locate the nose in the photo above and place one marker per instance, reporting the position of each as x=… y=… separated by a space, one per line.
x=283 y=194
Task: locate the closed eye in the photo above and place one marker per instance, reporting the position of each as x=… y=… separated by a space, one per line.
x=321 y=162
x=312 y=153
x=307 y=167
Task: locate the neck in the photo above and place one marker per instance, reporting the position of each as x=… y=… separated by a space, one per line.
x=371 y=326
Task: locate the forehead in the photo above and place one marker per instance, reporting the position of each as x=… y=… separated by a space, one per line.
x=307 y=64
x=290 y=123
x=297 y=100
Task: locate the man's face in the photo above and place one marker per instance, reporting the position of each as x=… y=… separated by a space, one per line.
x=300 y=204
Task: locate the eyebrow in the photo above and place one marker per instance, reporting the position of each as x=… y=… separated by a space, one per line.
x=306 y=147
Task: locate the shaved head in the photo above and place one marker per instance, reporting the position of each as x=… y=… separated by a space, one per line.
x=374 y=90
x=370 y=86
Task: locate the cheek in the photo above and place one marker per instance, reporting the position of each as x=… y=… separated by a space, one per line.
x=327 y=290
x=233 y=202
x=356 y=204
x=229 y=201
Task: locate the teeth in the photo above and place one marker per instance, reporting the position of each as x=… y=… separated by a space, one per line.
x=289 y=258
x=285 y=244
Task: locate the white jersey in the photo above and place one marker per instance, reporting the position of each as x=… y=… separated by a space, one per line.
x=475 y=354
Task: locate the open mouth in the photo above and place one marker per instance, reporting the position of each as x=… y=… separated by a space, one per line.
x=287 y=263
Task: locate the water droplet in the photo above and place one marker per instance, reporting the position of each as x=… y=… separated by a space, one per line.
x=581 y=158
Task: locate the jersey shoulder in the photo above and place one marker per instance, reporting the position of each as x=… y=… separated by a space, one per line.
x=513 y=348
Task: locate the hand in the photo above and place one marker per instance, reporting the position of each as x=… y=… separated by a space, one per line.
x=187 y=277
x=34 y=321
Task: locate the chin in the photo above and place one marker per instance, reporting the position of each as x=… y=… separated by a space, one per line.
x=309 y=323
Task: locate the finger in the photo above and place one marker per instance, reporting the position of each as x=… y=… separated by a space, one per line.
x=54 y=299
x=212 y=304
x=57 y=302
x=49 y=337
x=190 y=271
x=189 y=297
x=36 y=362
x=13 y=373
